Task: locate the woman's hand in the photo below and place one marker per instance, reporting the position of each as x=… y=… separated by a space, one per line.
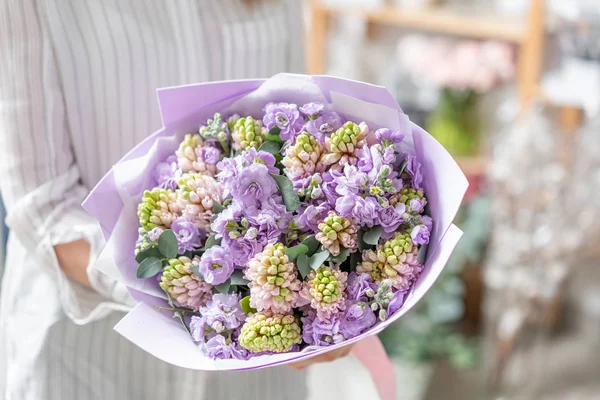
x=326 y=357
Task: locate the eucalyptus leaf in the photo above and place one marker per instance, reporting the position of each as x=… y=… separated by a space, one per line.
x=294 y=252
x=303 y=265
x=151 y=252
x=271 y=147
x=312 y=243
x=290 y=198
x=372 y=235
x=210 y=242
x=317 y=259
x=196 y=271
x=217 y=207
x=340 y=258
x=149 y=267
x=422 y=254
x=223 y=287
x=355 y=258
x=245 y=304
x=361 y=243
x=237 y=278
x=402 y=167
x=167 y=243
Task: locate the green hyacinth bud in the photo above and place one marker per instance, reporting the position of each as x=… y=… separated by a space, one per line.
x=248 y=133
x=265 y=331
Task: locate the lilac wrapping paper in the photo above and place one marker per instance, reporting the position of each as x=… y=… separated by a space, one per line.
x=113 y=202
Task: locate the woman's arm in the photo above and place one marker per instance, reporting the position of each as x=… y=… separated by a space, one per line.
x=39 y=175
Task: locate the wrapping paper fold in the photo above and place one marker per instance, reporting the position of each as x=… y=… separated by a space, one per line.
x=113 y=202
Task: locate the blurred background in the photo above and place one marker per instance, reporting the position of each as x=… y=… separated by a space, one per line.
x=512 y=89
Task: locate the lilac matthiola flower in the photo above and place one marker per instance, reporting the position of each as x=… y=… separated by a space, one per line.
x=197 y=328
x=413 y=167
x=252 y=155
x=358 y=318
x=357 y=286
x=286 y=116
x=420 y=234
x=167 y=173
x=312 y=110
x=254 y=185
x=216 y=265
x=324 y=125
x=243 y=248
x=396 y=302
x=232 y=213
x=310 y=217
x=223 y=312
x=154 y=234
x=321 y=333
x=364 y=211
x=210 y=154
x=187 y=233
x=350 y=181
x=427 y=221
x=416 y=205
x=391 y=135
x=390 y=218
x=219 y=347
x=373 y=158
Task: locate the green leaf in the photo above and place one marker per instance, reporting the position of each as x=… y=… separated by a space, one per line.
x=303 y=265
x=312 y=243
x=372 y=235
x=402 y=167
x=217 y=207
x=317 y=259
x=227 y=202
x=294 y=252
x=151 y=252
x=210 y=242
x=422 y=254
x=355 y=258
x=273 y=135
x=290 y=198
x=149 y=267
x=361 y=243
x=223 y=287
x=237 y=278
x=340 y=258
x=195 y=270
x=270 y=147
x=245 y=304
x=167 y=244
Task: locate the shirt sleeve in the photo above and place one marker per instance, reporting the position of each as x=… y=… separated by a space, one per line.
x=39 y=175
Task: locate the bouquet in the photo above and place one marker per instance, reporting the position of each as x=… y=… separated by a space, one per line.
x=276 y=220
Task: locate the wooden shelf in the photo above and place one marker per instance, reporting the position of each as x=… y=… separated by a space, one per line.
x=439 y=19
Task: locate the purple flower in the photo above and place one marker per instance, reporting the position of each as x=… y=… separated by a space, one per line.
x=420 y=234
x=427 y=221
x=154 y=234
x=216 y=265
x=231 y=213
x=390 y=218
x=285 y=116
x=413 y=167
x=187 y=233
x=210 y=155
x=357 y=286
x=167 y=173
x=312 y=110
x=373 y=158
x=396 y=302
x=358 y=318
x=310 y=217
x=218 y=347
x=416 y=205
x=321 y=333
x=252 y=156
x=365 y=212
x=350 y=181
x=242 y=249
x=324 y=125
x=197 y=328
x=392 y=135
x=223 y=312
x=253 y=185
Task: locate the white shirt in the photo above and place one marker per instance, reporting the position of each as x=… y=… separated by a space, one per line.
x=77 y=91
